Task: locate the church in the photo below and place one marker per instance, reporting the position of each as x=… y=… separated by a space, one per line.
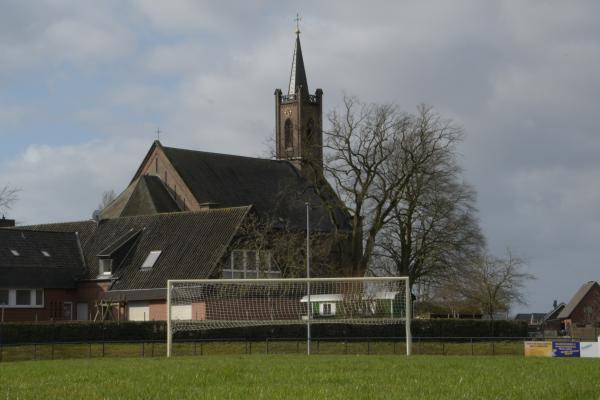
x=171 y=179
x=186 y=214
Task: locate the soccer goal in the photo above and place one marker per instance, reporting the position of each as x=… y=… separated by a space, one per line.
x=232 y=303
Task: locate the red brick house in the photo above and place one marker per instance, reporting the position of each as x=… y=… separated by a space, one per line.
x=127 y=260
x=583 y=309
x=39 y=273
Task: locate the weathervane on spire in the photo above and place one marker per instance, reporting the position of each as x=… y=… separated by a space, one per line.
x=297 y=19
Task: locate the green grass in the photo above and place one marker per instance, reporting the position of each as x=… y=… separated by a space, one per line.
x=302 y=377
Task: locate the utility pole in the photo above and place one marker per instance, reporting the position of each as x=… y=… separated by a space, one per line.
x=309 y=305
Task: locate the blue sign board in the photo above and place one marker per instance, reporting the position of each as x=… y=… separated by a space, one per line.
x=565 y=349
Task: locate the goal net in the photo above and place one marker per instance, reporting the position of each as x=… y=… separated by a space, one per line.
x=232 y=303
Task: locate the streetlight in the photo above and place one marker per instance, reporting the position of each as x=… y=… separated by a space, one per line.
x=309 y=305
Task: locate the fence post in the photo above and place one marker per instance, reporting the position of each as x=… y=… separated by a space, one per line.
x=345 y=347
x=143 y=350
x=394 y=346
x=472 y=350
x=52 y=356
x=201 y=348
x=267 y=345
x=34 y=351
x=90 y=350
x=103 y=349
x=195 y=346
x=443 y=349
x=318 y=347
x=368 y=347
x=493 y=349
x=297 y=346
x=152 y=353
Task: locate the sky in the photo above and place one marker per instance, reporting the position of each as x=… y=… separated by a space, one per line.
x=84 y=85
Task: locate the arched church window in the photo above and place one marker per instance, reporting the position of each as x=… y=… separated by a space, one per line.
x=310 y=127
x=288 y=135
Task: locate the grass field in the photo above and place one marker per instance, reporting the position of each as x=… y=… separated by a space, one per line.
x=302 y=377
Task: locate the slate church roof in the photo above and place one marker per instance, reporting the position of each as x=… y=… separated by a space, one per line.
x=298 y=81
x=274 y=187
x=147 y=194
x=39 y=259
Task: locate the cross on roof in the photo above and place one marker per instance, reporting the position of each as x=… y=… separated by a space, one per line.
x=157 y=133
x=297 y=19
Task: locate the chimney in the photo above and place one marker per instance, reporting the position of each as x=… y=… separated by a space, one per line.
x=6 y=223
x=209 y=206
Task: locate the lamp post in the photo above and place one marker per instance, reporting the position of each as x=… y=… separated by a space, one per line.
x=309 y=305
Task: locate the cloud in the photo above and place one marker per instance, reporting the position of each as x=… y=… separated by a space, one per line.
x=65 y=183
x=12 y=116
x=57 y=32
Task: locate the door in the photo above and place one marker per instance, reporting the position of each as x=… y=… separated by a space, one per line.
x=82 y=311
x=139 y=311
x=67 y=311
x=183 y=312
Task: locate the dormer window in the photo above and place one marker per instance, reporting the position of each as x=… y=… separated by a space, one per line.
x=15 y=252
x=151 y=259
x=105 y=266
x=114 y=253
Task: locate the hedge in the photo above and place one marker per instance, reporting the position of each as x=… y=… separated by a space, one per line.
x=155 y=330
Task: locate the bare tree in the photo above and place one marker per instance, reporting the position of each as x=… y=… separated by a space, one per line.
x=8 y=196
x=434 y=228
x=107 y=197
x=285 y=246
x=373 y=153
x=491 y=283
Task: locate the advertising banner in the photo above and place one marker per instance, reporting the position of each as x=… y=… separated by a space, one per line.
x=538 y=349
x=565 y=349
x=589 y=349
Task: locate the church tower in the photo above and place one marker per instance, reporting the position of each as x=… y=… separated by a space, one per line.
x=299 y=120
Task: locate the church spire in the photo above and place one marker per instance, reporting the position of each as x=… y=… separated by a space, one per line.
x=298 y=120
x=298 y=82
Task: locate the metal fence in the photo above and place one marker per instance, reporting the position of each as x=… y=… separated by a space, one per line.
x=464 y=346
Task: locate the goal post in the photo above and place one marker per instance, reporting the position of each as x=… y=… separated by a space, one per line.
x=202 y=304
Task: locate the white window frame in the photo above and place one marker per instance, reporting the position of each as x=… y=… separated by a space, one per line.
x=268 y=271
x=12 y=298
x=331 y=307
x=101 y=270
x=151 y=259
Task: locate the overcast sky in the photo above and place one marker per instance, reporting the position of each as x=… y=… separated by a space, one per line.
x=85 y=84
